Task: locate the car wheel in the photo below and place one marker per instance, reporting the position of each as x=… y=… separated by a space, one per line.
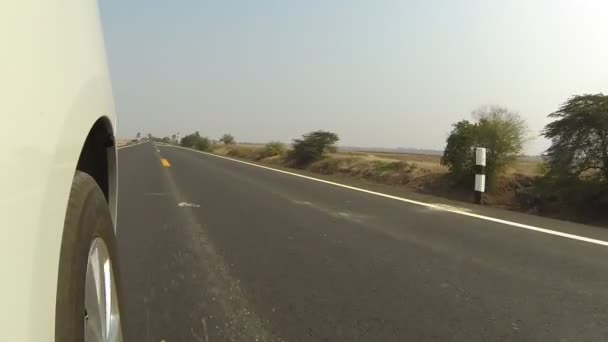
x=87 y=292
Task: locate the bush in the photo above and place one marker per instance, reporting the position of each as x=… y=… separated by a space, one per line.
x=329 y=166
x=227 y=139
x=214 y=146
x=459 y=154
x=571 y=198
x=273 y=148
x=379 y=171
x=499 y=130
x=245 y=152
x=312 y=147
x=203 y=144
x=195 y=140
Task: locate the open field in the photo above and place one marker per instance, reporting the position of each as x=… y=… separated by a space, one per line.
x=525 y=166
x=424 y=161
x=528 y=166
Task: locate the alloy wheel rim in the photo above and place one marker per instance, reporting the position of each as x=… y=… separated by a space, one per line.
x=102 y=316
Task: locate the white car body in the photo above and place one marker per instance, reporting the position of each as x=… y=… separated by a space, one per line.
x=54 y=88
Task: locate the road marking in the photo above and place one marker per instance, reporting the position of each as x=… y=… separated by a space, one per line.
x=188 y=205
x=165 y=162
x=438 y=207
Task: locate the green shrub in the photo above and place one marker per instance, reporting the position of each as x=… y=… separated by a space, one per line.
x=501 y=131
x=202 y=144
x=195 y=140
x=459 y=154
x=580 y=199
x=273 y=148
x=227 y=139
x=312 y=147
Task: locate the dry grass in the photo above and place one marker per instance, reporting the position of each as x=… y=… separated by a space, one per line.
x=122 y=142
x=423 y=161
x=528 y=166
x=426 y=163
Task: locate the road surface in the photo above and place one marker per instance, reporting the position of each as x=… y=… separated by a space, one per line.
x=257 y=255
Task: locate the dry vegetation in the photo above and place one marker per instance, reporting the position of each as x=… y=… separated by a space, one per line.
x=420 y=173
x=416 y=172
x=338 y=162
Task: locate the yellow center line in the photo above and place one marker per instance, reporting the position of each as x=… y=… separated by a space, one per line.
x=165 y=162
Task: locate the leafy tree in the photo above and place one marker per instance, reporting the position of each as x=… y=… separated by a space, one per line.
x=173 y=137
x=503 y=133
x=498 y=129
x=579 y=138
x=203 y=144
x=138 y=135
x=459 y=154
x=312 y=147
x=190 y=139
x=166 y=140
x=196 y=141
x=227 y=139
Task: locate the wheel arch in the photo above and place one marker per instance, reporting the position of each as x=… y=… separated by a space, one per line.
x=98 y=159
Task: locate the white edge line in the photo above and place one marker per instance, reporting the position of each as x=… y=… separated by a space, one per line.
x=428 y=205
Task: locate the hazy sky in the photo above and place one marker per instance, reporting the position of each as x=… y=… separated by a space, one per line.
x=379 y=73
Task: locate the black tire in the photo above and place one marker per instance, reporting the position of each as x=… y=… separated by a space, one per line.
x=87 y=218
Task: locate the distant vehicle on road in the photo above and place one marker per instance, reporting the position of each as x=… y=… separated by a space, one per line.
x=58 y=184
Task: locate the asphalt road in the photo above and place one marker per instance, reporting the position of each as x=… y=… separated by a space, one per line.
x=266 y=256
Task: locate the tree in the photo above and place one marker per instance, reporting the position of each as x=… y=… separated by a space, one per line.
x=312 y=147
x=579 y=137
x=173 y=137
x=503 y=133
x=227 y=139
x=498 y=129
x=196 y=141
x=138 y=135
x=203 y=144
x=190 y=140
x=459 y=154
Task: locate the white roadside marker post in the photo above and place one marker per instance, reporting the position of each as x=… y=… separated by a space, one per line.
x=480 y=174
